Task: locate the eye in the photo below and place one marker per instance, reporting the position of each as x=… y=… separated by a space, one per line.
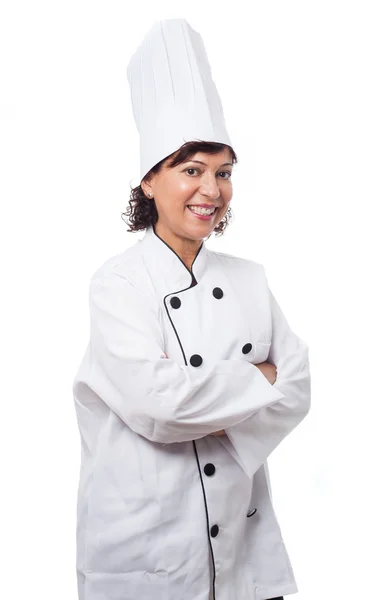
x=224 y=172
x=191 y=169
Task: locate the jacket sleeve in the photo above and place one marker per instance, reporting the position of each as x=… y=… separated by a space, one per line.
x=155 y=396
x=253 y=440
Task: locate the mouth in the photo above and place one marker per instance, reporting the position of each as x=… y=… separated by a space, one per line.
x=202 y=213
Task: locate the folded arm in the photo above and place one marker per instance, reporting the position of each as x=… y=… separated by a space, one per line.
x=155 y=396
x=253 y=440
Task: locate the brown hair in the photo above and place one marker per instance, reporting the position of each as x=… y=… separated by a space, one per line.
x=141 y=211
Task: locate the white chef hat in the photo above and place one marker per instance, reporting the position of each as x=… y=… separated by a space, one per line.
x=174 y=98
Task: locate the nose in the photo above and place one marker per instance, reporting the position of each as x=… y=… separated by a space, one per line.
x=209 y=188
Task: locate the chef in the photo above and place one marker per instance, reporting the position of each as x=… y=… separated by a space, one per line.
x=192 y=375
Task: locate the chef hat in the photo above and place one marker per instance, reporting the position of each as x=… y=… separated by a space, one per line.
x=174 y=98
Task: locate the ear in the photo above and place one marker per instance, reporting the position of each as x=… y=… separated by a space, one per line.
x=146 y=187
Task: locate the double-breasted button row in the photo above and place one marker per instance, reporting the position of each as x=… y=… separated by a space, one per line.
x=176 y=302
x=196 y=360
x=209 y=470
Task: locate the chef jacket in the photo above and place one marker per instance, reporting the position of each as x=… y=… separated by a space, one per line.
x=165 y=510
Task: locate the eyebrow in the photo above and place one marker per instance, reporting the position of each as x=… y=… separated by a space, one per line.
x=202 y=163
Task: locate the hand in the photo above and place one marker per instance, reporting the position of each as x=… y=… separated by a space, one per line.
x=268 y=370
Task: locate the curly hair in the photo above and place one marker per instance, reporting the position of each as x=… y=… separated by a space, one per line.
x=141 y=211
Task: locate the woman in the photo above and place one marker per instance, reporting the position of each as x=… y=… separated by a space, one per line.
x=191 y=378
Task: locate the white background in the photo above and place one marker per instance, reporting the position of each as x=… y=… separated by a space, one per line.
x=305 y=96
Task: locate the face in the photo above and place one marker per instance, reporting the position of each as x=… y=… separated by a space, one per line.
x=204 y=179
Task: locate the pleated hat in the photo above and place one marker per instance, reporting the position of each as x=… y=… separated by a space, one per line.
x=174 y=98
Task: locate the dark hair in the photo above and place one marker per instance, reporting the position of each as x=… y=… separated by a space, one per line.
x=141 y=211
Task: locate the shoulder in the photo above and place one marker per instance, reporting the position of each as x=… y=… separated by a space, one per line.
x=123 y=265
x=234 y=263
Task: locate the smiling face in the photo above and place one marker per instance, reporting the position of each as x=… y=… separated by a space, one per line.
x=203 y=179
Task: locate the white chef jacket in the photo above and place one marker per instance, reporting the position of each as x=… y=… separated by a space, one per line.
x=165 y=510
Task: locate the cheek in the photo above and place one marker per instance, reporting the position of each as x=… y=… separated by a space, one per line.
x=184 y=189
x=173 y=196
x=227 y=198
x=180 y=191
x=227 y=191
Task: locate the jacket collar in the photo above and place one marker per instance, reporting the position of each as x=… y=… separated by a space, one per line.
x=167 y=267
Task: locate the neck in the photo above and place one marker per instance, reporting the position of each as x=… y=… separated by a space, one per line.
x=185 y=248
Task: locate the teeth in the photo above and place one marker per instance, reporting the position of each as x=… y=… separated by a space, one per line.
x=202 y=211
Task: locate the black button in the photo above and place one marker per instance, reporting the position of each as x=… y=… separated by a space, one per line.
x=214 y=531
x=175 y=302
x=251 y=512
x=209 y=469
x=247 y=348
x=196 y=360
x=218 y=293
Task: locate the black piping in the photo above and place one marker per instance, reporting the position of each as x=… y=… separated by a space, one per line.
x=193 y=283
x=193 y=279
x=207 y=521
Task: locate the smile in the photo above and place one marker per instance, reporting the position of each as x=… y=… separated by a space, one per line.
x=200 y=211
